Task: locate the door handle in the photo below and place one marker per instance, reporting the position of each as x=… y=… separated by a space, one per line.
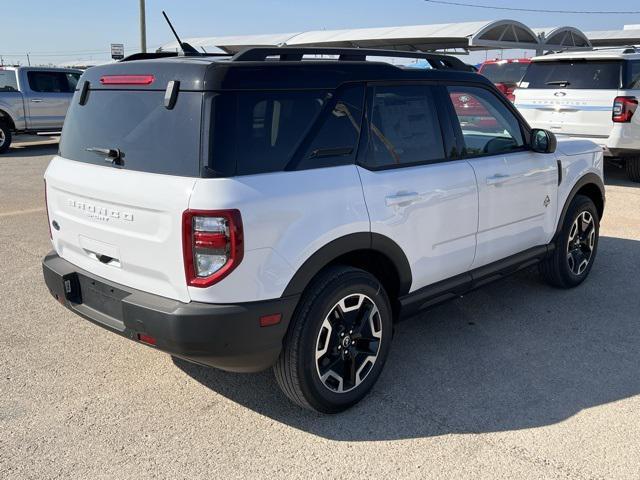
x=36 y=100
x=402 y=199
x=498 y=178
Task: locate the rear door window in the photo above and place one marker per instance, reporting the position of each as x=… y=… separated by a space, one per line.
x=488 y=126
x=49 y=82
x=403 y=127
x=152 y=138
x=8 y=81
x=574 y=74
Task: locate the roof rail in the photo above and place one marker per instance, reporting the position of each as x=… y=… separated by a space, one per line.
x=259 y=54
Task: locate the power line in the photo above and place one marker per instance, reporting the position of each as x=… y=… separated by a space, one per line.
x=513 y=9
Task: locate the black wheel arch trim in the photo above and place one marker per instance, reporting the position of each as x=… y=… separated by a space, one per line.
x=351 y=243
x=589 y=178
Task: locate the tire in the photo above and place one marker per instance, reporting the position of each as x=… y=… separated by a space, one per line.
x=576 y=246
x=5 y=137
x=633 y=169
x=343 y=312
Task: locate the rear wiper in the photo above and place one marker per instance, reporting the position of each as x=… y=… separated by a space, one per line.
x=559 y=82
x=113 y=155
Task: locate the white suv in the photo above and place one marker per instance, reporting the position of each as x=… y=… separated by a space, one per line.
x=588 y=94
x=271 y=210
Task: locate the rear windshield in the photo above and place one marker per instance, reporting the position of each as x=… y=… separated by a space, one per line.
x=574 y=74
x=270 y=131
x=152 y=138
x=505 y=72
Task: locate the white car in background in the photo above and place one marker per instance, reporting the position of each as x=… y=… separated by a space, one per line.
x=588 y=94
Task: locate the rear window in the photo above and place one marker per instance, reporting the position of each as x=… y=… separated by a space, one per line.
x=52 y=82
x=270 y=131
x=595 y=75
x=504 y=72
x=152 y=138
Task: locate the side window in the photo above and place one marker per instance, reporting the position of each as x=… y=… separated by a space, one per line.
x=404 y=127
x=634 y=68
x=336 y=140
x=8 y=81
x=72 y=81
x=48 y=82
x=488 y=127
x=258 y=132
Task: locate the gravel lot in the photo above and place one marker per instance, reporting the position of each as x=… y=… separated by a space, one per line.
x=517 y=380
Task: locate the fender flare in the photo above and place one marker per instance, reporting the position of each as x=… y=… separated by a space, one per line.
x=6 y=116
x=347 y=244
x=589 y=178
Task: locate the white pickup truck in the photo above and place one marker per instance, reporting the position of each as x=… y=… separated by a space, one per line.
x=34 y=99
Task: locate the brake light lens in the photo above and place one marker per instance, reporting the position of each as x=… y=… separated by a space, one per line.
x=212 y=244
x=127 y=79
x=624 y=108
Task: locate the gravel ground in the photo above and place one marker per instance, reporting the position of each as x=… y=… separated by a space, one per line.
x=516 y=380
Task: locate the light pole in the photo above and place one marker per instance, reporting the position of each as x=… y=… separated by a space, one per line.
x=143 y=28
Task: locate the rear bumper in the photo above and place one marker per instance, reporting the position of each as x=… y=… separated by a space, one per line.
x=228 y=337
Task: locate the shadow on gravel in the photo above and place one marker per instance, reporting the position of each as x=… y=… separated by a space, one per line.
x=31 y=150
x=516 y=354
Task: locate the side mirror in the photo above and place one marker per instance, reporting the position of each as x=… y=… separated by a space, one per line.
x=543 y=141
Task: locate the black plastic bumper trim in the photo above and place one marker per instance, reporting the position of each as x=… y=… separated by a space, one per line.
x=226 y=336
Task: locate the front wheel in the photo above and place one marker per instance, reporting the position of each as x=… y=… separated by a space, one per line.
x=337 y=342
x=633 y=169
x=576 y=245
x=5 y=137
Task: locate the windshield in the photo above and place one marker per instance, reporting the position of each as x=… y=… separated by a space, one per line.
x=152 y=138
x=574 y=74
x=505 y=72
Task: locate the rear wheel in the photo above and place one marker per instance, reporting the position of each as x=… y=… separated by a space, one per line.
x=576 y=246
x=633 y=169
x=5 y=137
x=338 y=341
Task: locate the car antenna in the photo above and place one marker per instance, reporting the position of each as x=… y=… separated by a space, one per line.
x=187 y=49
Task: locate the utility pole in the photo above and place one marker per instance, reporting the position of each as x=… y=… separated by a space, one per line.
x=143 y=28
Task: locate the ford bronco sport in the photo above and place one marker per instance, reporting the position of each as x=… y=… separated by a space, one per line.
x=272 y=209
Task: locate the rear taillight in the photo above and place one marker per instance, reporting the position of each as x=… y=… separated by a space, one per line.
x=46 y=206
x=126 y=79
x=212 y=245
x=624 y=108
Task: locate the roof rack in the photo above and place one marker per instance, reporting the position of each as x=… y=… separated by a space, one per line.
x=259 y=54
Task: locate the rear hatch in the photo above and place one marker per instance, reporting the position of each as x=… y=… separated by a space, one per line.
x=570 y=97
x=123 y=222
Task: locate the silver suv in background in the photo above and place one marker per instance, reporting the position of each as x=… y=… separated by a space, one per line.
x=33 y=100
x=590 y=95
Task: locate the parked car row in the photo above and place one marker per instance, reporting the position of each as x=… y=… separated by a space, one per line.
x=34 y=100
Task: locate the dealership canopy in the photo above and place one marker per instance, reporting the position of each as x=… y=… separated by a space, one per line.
x=486 y=35
x=630 y=35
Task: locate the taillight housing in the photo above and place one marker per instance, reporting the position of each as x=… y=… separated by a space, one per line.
x=212 y=245
x=624 y=108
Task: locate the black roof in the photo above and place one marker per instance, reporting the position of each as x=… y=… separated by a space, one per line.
x=255 y=69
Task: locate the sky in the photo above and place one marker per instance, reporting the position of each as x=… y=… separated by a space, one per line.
x=70 y=30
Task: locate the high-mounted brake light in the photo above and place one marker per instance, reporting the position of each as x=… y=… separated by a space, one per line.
x=127 y=79
x=212 y=245
x=623 y=109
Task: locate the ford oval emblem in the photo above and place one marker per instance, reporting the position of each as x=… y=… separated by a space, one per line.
x=560 y=94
